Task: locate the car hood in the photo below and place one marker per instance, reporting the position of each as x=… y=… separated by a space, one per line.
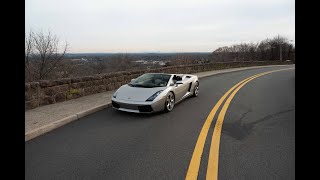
x=138 y=94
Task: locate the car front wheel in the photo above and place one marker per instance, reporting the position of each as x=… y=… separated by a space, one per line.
x=196 y=90
x=169 y=104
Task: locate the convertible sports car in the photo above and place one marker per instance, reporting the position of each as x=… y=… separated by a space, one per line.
x=154 y=92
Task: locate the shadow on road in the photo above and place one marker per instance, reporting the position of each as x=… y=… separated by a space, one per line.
x=239 y=130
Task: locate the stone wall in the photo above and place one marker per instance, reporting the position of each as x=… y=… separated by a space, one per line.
x=52 y=91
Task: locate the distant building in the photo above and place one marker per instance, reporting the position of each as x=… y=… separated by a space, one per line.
x=161 y=63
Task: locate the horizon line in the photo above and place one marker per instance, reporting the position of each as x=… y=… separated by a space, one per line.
x=137 y=52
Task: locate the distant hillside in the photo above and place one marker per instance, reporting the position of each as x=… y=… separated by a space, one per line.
x=138 y=56
x=144 y=53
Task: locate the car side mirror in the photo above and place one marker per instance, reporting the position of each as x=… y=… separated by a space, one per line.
x=132 y=80
x=179 y=82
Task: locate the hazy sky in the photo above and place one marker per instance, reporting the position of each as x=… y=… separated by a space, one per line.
x=160 y=25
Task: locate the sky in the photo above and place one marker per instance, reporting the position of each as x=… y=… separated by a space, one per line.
x=125 y=26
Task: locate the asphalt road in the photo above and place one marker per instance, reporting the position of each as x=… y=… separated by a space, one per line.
x=257 y=138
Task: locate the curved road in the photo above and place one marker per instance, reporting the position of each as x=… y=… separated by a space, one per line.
x=257 y=137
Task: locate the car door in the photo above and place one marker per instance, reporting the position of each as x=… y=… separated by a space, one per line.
x=180 y=89
x=186 y=85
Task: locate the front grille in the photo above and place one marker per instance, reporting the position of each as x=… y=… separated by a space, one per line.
x=146 y=108
x=128 y=106
x=142 y=108
x=115 y=105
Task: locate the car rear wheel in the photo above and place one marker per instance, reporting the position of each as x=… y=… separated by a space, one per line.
x=196 y=90
x=169 y=104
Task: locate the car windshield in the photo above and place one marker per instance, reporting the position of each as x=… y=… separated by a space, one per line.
x=151 y=80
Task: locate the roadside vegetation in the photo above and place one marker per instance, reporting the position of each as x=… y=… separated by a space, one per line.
x=47 y=58
x=277 y=48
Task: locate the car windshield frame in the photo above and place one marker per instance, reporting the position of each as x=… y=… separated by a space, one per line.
x=151 y=80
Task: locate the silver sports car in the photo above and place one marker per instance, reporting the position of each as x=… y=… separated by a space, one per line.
x=154 y=92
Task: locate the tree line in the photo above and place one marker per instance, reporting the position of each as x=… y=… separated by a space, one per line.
x=45 y=57
x=277 y=48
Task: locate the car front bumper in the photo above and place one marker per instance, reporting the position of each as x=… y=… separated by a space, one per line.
x=138 y=107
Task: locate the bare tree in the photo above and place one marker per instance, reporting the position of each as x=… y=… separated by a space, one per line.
x=98 y=65
x=121 y=62
x=184 y=59
x=28 y=51
x=42 y=54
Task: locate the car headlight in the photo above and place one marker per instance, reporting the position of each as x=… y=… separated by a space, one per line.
x=151 y=98
x=115 y=94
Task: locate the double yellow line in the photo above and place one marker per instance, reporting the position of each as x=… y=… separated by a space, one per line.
x=212 y=169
